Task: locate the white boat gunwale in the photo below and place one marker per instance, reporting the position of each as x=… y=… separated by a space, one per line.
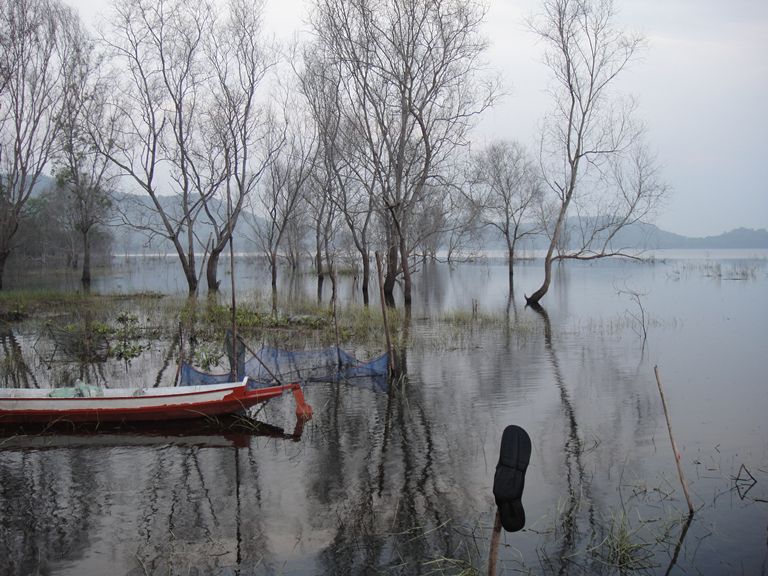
x=34 y=394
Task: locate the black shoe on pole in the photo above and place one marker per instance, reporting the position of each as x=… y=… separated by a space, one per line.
x=509 y=480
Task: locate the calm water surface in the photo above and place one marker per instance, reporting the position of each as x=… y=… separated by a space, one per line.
x=401 y=483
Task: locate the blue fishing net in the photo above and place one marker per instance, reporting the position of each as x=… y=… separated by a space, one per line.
x=272 y=366
x=190 y=376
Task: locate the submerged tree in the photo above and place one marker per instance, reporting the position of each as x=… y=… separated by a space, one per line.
x=590 y=136
x=84 y=176
x=38 y=41
x=282 y=191
x=195 y=133
x=409 y=90
x=506 y=187
x=319 y=82
x=161 y=47
x=239 y=125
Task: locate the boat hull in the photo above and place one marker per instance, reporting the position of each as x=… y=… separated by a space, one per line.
x=154 y=404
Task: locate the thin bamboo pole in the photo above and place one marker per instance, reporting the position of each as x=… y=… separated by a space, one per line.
x=390 y=355
x=235 y=349
x=230 y=233
x=674 y=445
x=335 y=318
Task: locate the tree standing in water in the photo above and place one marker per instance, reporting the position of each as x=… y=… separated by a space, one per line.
x=597 y=173
x=410 y=89
x=84 y=179
x=508 y=188
x=38 y=42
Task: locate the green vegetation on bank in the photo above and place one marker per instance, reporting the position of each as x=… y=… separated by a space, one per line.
x=17 y=305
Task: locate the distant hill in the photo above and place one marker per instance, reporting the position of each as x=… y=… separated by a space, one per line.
x=639 y=236
x=137 y=208
x=650 y=236
x=642 y=236
x=43 y=183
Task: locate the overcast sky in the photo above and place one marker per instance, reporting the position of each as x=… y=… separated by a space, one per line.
x=701 y=86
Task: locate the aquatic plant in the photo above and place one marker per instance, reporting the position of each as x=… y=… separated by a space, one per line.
x=623 y=548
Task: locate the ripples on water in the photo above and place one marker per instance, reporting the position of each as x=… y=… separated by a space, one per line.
x=401 y=483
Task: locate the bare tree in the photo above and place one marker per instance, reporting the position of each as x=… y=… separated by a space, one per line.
x=410 y=90
x=444 y=221
x=347 y=186
x=39 y=39
x=354 y=199
x=281 y=193
x=321 y=214
x=319 y=82
x=83 y=175
x=506 y=187
x=588 y=133
x=160 y=44
x=240 y=124
x=461 y=236
x=341 y=184
x=429 y=224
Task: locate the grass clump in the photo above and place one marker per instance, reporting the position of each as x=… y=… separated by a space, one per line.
x=452 y=566
x=17 y=305
x=622 y=547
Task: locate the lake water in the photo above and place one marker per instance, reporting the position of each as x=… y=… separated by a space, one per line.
x=401 y=483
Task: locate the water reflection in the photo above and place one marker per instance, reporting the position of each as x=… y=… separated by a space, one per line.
x=402 y=481
x=59 y=489
x=165 y=498
x=577 y=482
x=389 y=496
x=16 y=373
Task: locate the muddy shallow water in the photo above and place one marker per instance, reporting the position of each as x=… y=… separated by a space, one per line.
x=401 y=482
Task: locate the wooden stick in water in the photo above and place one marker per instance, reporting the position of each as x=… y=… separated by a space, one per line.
x=181 y=356
x=674 y=445
x=493 y=554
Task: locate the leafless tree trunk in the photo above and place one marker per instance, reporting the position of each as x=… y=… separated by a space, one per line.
x=239 y=124
x=446 y=219
x=589 y=134
x=506 y=187
x=295 y=232
x=83 y=175
x=357 y=206
x=161 y=45
x=281 y=194
x=319 y=83
x=38 y=41
x=409 y=90
x=322 y=214
x=349 y=185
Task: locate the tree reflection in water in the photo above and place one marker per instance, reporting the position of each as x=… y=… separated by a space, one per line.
x=377 y=480
x=577 y=482
x=401 y=483
x=60 y=490
x=15 y=371
x=162 y=495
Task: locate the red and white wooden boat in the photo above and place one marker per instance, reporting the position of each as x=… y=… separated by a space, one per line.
x=40 y=405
